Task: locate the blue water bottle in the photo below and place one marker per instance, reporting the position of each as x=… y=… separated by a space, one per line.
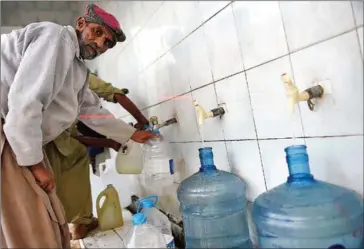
x=308 y=213
x=213 y=207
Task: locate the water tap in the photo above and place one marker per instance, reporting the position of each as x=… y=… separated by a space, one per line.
x=294 y=96
x=202 y=114
x=155 y=123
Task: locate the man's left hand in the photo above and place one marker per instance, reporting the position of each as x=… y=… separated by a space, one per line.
x=139 y=126
x=116 y=146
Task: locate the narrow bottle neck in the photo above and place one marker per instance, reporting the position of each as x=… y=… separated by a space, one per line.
x=298 y=163
x=206 y=159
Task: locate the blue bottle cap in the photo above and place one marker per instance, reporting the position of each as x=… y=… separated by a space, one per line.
x=147 y=202
x=139 y=219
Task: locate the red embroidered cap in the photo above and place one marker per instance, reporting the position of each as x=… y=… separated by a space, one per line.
x=94 y=13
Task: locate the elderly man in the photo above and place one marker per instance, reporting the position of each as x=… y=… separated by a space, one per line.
x=44 y=88
x=70 y=161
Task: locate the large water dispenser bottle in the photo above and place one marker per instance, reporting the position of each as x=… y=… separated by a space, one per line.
x=308 y=213
x=213 y=207
x=147 y=205
x=143 y=235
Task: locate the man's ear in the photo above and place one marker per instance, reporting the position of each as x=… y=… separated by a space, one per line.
x=81 y=23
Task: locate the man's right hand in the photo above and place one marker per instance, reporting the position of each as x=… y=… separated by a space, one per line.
x=142 y=136
x=43 y=177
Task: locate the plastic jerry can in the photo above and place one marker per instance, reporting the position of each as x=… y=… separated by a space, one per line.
x=109 y=213
x=129 y=159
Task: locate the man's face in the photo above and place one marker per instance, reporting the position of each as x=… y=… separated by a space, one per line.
x=94 y=39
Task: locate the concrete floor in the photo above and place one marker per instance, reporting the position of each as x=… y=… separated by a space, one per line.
x=108 y=239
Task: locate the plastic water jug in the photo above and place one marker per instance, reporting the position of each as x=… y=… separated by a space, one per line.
x=129 y=159
x=214 y=207
x=307 y=213
x=109 y=212
x=143 y=235
x=156 y=218
x=156 y=157
x=156 y=177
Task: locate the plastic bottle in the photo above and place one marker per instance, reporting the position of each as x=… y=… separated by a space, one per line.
x=143 y=235
x=156 y=156
x=129 y=159
x=308 y=213
x=213 y=207
x=109 y=213
x=156 y=177
x=156 y=218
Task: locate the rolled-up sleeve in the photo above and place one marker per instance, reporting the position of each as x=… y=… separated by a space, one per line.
x=103 y=89
x=101 y=120
x=40 y=76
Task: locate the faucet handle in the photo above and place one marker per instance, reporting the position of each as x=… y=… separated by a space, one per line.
x=154 y=120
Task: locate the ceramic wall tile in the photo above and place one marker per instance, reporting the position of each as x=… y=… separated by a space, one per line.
x=223 y=45
x=260 y=31
x=307 y=22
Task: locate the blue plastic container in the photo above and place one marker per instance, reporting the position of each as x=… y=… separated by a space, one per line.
x=213 y=207
x=308 y=213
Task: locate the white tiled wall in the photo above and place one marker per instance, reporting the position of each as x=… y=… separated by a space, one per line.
x=233 y=54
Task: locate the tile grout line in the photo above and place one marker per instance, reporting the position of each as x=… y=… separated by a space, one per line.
x=143 y=26
x=184 y=38
x=272 y=139
x=357 y=30
x=250 y=103
x=245 y=70
x=230 y=3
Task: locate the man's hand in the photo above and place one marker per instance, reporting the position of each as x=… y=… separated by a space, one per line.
x=43 y=177
x=142 y=136
x=140 y=126
x=116 y=146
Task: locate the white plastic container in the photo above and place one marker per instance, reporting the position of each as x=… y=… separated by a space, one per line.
x=129 y=160
x=156 y=177
x=156 y=157
x=143 y=235
x=155 y=218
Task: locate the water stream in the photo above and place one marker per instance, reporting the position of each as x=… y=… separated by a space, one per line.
x=200 y=130
x=294 y=121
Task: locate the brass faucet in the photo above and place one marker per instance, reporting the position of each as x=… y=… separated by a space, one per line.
x=294 y=96
x=155 y=123
x=202 y=114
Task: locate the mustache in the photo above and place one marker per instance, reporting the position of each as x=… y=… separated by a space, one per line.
x=93 y=45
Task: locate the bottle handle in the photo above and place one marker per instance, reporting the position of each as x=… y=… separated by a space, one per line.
x=98 y=207
x=154 y=199
x=102 y=168
x=127 y=148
